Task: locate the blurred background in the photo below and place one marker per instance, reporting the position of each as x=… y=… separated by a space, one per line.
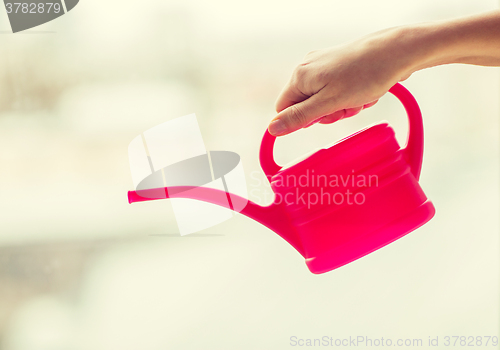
x=80 y=268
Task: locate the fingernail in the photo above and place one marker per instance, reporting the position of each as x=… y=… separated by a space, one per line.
x=277 y=127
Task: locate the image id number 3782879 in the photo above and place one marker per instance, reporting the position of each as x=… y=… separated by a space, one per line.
x=470 y=341
x=24 y=7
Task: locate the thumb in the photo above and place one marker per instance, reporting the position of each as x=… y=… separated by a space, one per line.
x=299 y=115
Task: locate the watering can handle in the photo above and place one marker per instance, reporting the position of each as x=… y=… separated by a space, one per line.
x=413 y=151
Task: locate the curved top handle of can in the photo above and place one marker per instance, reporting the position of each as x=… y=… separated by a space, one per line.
x=413 y=151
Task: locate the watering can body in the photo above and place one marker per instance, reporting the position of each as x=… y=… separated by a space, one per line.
x=343 y=201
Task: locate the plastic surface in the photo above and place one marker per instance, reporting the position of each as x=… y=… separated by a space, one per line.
x=342 y=202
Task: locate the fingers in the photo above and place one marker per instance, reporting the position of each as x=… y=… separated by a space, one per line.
x=306 y=112
x=299 y=115
x=370 y=104
x=333 y=117
x=344 y=113
x=289 y=96
x=317 y=120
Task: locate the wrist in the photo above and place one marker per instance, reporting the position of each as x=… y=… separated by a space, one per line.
x=420 y=46
x=403 y=50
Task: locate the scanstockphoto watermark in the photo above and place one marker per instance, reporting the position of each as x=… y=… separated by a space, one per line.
x=310 y=189
x=452 y=341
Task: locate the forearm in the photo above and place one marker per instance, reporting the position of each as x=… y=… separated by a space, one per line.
x=470 y=40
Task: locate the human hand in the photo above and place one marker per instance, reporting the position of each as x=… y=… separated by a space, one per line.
x=338 y=82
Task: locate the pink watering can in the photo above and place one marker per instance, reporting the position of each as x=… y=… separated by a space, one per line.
x=340 y=203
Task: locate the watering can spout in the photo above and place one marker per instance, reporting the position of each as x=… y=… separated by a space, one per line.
x=330 y=223
x=272 y=216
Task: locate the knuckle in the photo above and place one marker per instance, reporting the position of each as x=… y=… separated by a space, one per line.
x=310 y=53
x=323 y=75
x=299 y=78
x=296 y=116
x=300 y=72
x=277 y=106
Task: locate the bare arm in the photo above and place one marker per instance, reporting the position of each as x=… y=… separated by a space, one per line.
x=339 y=82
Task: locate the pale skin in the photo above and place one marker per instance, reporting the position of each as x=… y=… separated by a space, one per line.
x=338 y=82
